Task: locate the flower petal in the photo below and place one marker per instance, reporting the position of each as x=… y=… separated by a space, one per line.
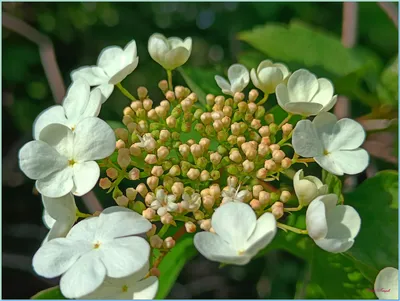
x=37 y=160
x=351 y=162
x=263 y=234
x=94 y=105
x=387 y=284
x=239 y=77
x=316 y=215
x=93 y=140
x=146 y=289
x=84 y=277
x=234 y=222
x=84 y=230
x=282 y=95
x=343 y=223
x=270 y=77
x=56 y=184
x=123 y=71
x=77 y=99
x=48 y=221
x=158 y=47
x=334 y=245
x=306 y=191
x=328 y=163
x=214 y=248
x=324 y=123
x=347 y=135
x=124 y=256
x=117 y=221
x=108 y=58
x=303 y=108
x=176 y=57
x=54 y=114
x=306 y=141
x=302 y=86
x=57 y=256
x=324 y=93
x=223 y=84
x=284 y=69
x=86 y=175
x=59 y=137
x=91 y=74
x=61 y=209
x=330 y=104
x=106 y=90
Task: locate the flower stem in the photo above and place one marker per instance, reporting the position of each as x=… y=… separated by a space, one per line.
x=289 y=116
x=163 y=230
x=262 y=101
x=125 y=92
x=293 y=209
x=305 y=160
x=169 y=73
x=83 y=215
x=293 y=229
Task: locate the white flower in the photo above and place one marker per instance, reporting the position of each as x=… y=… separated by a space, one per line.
x=191 y=202
x=238 y=77
x=147 y=142
x=333 y=144
x=59 y=215
x=63 y=161
x=333 y=228
x=169 y=53
x=78 y=104
x=268 y=76
x=95 y=248
x=238 y=236
x=164 y=203
x=387 y=284
x=306 y=95
x=231 y=194
x=113 y=65
x=308 y=188
x=131 y=287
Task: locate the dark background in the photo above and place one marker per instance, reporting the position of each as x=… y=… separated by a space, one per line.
x=79 y=31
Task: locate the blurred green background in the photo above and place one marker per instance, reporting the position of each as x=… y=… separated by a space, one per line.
x=79 y=31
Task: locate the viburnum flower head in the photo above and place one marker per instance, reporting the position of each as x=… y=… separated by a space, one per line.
x=95 y=248
x=113 y=66
x=59 y=215
x=238 y=77
x=334 y=145
x=131 y=287
x=333 y=228
x=170 y=53
x=63 y=161
x=78 y=104
x=268 y=76
x=305 y=94
x=238 y=236
x=386 y=286
x=307 y=188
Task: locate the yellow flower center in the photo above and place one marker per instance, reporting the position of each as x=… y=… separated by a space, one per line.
x=96 y=245
x=71 y=162
x=125 y=288
x=326 y=153
x=241 y=252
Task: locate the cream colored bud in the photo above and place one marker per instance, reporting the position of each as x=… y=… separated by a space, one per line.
x=177 y=189
x=255 y=204
x=165 y=104
x=286 y=163
x=238 y=97
x=235 y=129
x=264 y=131
x=134 y=174
x=204 y=176
x=120 y=144
x=157 y=171
x=287 y=129
x=206 y=118
x=205 y=192
x=255 y=124
x=167 y=219
x=163 y=85
x=264 y=197
x=170 y=96
x=285 y=196
x=135 y=150
x=232 y=181
x=278 y=156
x=193 y=97
x=240 y=140
x=164 y=135
x=124 y=158
x=226 y=121
x=266 y=140
x=162 y=152
x=248 y=166
x=105 y=183
x=196 y=150
x=169 y=243
x=131 y=127
x=235 y=156
x=210 y=99
x=212 y=230
x=161 y=112
x=198 y=215
x=263 y=149
x=251 y=108
x=215 y=158
x=143 y=126
x=171 y=122
x=156 y=242
x=122 y=133
x=205 y=224
x=186 y=104
x=150 y=159
x=122 y=201
x=220 y=100
x=152 y=182
x=190 y=227
x=142 y=92
x=142 y=189
x=277 y=209
x=190 y=142
x=152 y=114
x=227 y=110
x=175 y=171
x=147 y=104
x=150 y=197
x=217 y=125
x=131 y=193
x=208 y=201
x=232 y=139
x=205 y=143
x=251 y=154
x=149 y=213
x=193 y=173
x=127 y=119
x=262 y=173
x=256 y=190
x=128 y=112
x=274 y=147
x=179 y=92
x=253 y=94
x=270 y=164
x=112 y=173
x=217 y=115
x=135 y=105
x=152 y=231
x=215 y=191
x=184 y=150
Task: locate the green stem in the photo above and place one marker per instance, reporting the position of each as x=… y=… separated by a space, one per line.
x=83 y=215
x=169 y=73
x=289 y=116
x=293 y=209
x=293 y=229
x=125 y=92
x=262 y=101
x=163 y=230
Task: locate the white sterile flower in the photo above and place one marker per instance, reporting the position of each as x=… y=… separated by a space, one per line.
x=78 y=104
x=306 y=95
x=231 y=194
x=238 y=236
x=334 y=145
x=307 y=188
x=147 y=142
x=386 y=285
x=113 y=65
x=333 y=228
x=169 y=53
x=238 y=77
x=164 y=203
x=191 y=202
x=59 y=215
x=268 y=76
x=63 y=161
x=133 y=287
x=95 y=248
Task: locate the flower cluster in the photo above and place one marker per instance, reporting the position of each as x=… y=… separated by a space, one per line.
x=206 y=165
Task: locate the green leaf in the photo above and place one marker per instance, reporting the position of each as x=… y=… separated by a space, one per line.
x=334 y=184
x=173 y=263
x=388 y=87
x=50 y=293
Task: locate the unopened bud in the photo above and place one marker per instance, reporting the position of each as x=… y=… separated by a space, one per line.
x=270 y=164
x=206 y=118
x=152 y=182
x=252 y=108
x=128 y=112
x=196 y=150
x=232 y=181
x=215 y=191
x=164 y=135
x=152 y=114
x=136 y=105
x=156 y=242
x=177 y=189
x=287 y=129
x=122 y=201
x=122 y=133
x=286 y=163
x=152 y=231
x=264 y=131
x=215 y=175
x=179 y=92
x=215 y=158
x=193 y=173
x=248 y=166
x=198 y=215
x=170 y=96
x=240 y=140
x=162 y=152
x=163 y=85
x=263 y=149
x=264 y=197
x=149 y=213
x=251 y=153
x=112 y=173
x=277 y=209
x=278 y=156
x=205 y=224
x=131 y=193
x=124 y=159
x=238 y=97
x=261 y=173
x=167 y=219
x=285 y=196
x=256 y=124
x=274 y=147
x=235 y=156
x=131 y=127
x=208 y=201
x=190 y=227
x=269 y=118
x=150 y=197
x=171 y=122
x=150 y=159
x=135 y=150
x=255 y=204
x=142 y=189
x=134 y=174
x=169 y=243
x=184 y=150
x=105 y=183
x=204 y=176
x=119 y=144
x=210 y=99
x=142 y=92
x=253 y=94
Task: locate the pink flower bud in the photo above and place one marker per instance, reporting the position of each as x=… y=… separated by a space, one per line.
x=263 y=149
x=167 y=219
x=147 y=104
x=119 y=144
x=256 y=190
x=149 y=213
x=278 y=156
x=193 y=173
x=256 y=124
x=150 y=197
x=215 y=191
x=235 y=156
x=128 y=112
x=264 y=131
x=205 y=224
x=248 y=166
x=142 y=92
x=208 y=202
x=196 y=150
x=253 y=94
x=162 y=152
x=264 y=197
x=204 y=176
x=227 y=110
x=122 y=133
x=261 y=173
x=274 y=147
x=287 y=129
x=135 y=105
x=112 y=173
x=105 y=183
x=190 y=227
x=157 y=171
x=270 y=165
x=169 y=243
x=286 y=163
x=142 y=189
x=170 y=96
x=239 y=96
x=152 y=182
x=179 y=92
x=134 y=174
x=177 y=189
x=150 y=159
x=124 y=158
x=277 y=210
x=164 y=135
x=255 y=204
x=226 y=121
x=285 y=196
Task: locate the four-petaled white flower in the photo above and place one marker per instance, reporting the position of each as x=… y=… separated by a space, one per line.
x=333 y=228
x=169 y=53
x=59 y=215
x=386 y=285
x=63 y=161
x=95 y=248
x=305 y=95
x=307 y=188
x=333 y=144
x=147 y=142
x=164 y=203
x=113 y=65
x=231 y=194
x=239 y=78
x=191 y=202
x=132 y=287
x=238 y=236
x=268 y=76
x=78 y=104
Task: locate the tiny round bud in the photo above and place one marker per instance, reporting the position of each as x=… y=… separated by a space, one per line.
x=150 y=159
x=164 y=135
x=227 y=110
x=256 y=190
x=266 y=140
x=262 y=173
x=149 y=213
x=162 y=152
x=147 y=104
x=270 y=164
x=177 y=189
x=167 y=219
x=278 y=155
x=127 y=119
x=206 y=118
x=156 y=242
x=119 y=144
x=217 y=115
x=105 y=183
x=179 y=92
x=122 y=201
x=274 y=147
x=161 y=112
x=157 y=171
x=196 y=150
x=131 y=127
x=204 y=176
x=124 y=159
x=285 y=196
x=287 y=129
x=253 y=94
x=208 y=201
x=264 y=131
x=193 y=174
x=171 y=122
x=263 y=149
x=205 y=224
x=170 y=96
x=198 y=215
x=241 y=140
x=215 y=191
x=128 y=112
x=135 y=150
x=235 y=156
x=252 y=108
x=175 y=171
x=169 y=243
x=142 y=92
x=215 y=158
x=269 y=118
x=226 y=121
x=165 y=104
x=112 y=173
x=190 y=227
x=152 y=182
x=152 y=114
x=255 y=204
x=248 y=166
x=235 y=129
x=134 y=174
x=163 y=85
x=122 y=133
x=142 y=189
x=286 y=163
x=210 y=99
x=277 y=209
x=131 y=193
x=232 y=181
x=251 y=154
x=184 y=150
x=256 y=124
x=238 y=97
x=220 y=100
x=205 y=143
x=150 y=197
x=264 y=197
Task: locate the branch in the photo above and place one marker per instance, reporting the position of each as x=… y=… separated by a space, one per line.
x=391 y=11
